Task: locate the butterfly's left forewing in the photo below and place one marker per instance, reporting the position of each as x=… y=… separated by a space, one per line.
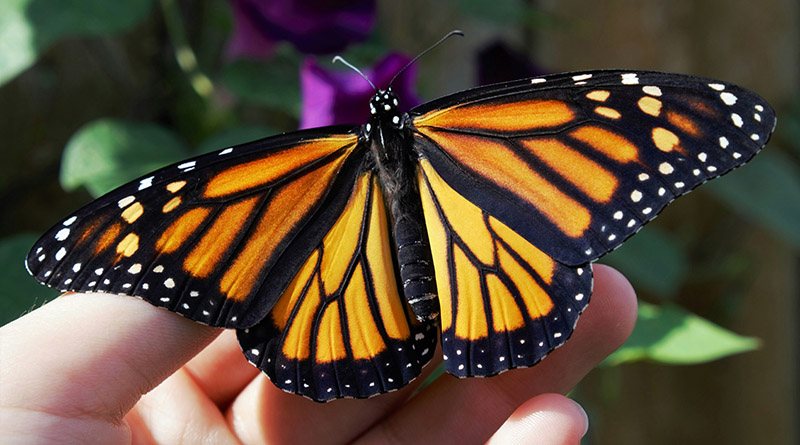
x=342 y=328
x=202 y=237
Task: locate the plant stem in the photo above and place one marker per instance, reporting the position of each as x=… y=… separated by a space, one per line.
x=184 y=54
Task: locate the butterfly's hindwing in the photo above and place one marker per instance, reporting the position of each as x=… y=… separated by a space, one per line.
x=576 y=163
x=504 y=303
x=342 y=328
x=201 y=237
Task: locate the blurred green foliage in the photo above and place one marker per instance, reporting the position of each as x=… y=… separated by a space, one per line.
x=107 y=152
x=20 y=292
x=28 y=27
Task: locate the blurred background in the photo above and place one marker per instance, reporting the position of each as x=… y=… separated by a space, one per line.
x=97 y=93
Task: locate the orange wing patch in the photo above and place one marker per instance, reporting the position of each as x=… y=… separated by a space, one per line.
x=276 y=165
x=287 y=207
x=514 y=116
x=589 y=176
x=610 y=144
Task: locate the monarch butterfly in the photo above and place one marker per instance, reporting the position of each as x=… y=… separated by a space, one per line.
x=340 y=254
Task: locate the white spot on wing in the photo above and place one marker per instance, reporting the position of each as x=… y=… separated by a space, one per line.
x=652 y=90
x=62 y=252
x=70 y=221
x=737 y=120
x=124 y=202
x=146 y=182
x=62 y=234
x=630 y=79
x=226 y=151
x=728 y=98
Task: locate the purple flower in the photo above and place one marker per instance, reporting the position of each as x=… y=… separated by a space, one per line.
x=342 y=96
x=313 y=26
x=499 y=62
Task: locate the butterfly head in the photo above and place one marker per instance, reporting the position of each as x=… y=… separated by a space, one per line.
x=383 y=109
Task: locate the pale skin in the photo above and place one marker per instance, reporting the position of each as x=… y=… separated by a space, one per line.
x=96 y=368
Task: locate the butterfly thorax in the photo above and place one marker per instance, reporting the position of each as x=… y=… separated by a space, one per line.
x=389 y=142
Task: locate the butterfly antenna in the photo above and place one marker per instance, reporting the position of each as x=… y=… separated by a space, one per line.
x=350 y=65
x=452 y=33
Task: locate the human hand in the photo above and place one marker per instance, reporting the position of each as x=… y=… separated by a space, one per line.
x=100 y=368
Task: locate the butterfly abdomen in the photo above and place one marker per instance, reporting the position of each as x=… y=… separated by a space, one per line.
x=396 y=171
x=416 y=269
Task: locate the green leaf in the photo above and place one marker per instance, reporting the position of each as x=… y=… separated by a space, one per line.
x=20 y=292
x=275 y=83
x=653 y=260
x=669 y=334
x=106 y=153
x=767 y=191
x=28 y=27
x=234 y=136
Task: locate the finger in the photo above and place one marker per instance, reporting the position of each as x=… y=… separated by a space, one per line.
x=459 y=410
x=266 y=414
x=220 y=370
x=178 y=411
x=93 y=355
x=547 y=418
